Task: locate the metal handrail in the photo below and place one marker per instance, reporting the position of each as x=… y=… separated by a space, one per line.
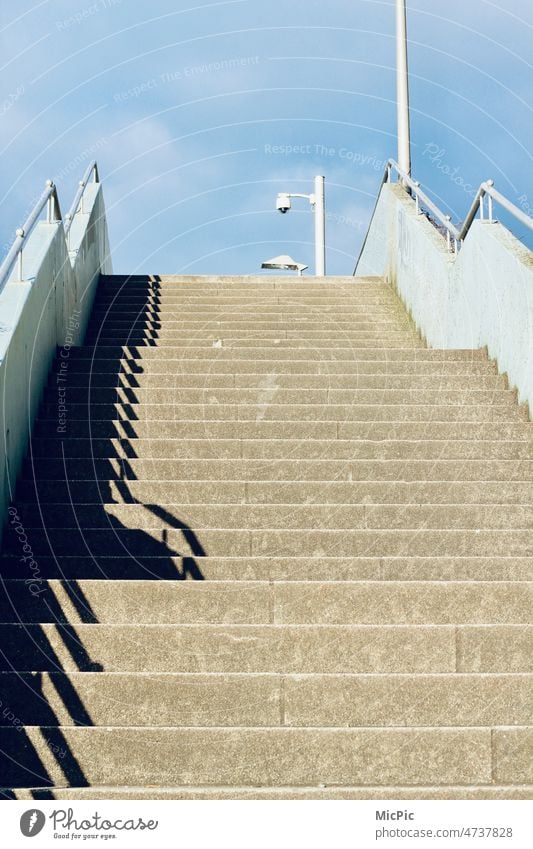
x=77 y=203
x=49 y=198
x=488 y=189
x=454 y=236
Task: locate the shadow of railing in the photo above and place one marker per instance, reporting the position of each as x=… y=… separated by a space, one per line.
x=56 y=497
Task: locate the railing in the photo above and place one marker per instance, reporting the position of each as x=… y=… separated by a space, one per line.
x=50 y=200
x=455 y=236
x=77 y=203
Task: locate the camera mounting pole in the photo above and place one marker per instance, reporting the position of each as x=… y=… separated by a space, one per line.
x=318 y=202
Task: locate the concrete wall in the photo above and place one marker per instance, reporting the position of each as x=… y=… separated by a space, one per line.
x=49 y=309
x=482 y=297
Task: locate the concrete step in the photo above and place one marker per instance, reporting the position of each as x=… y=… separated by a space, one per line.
x=345 y=287
x=187 y=367
x=176 y=341
x=130 y=307
x=279 y=470
x=395 y=410
x=254 y=294
x=277 y=516
x=323 y=493
x=376 y=431
x=265 y=757
x=257 y=287
x=334 y=449
x=123 y=700
x=249 y=288
x=185 y=429
x=254 y=285
x=297 y=649
x=419 y=354
x=114 y=539
x=118 y=320
x=138 y=567
x=397 y=382
x=260 y=603
x=293 y=319
x=288 y=793
x=251 y=293
x=244 y=280
x=217 y=336
x=270 y=393
x=266 y=311
x=266 y=700
x=274 y=286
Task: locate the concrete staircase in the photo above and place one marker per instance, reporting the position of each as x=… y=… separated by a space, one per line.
x=273 y=548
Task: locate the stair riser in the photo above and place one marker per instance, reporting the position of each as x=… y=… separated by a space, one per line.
x=294 y=449
x=189 y=368
x=329 y=315
x=286 y=329
x=324 y=493
x=200 y=602
x=394 y=354
x=170 y=380
x=127 y=309
x=178 y=430
x=263 y=757
x=396 y=412
x=280 y=470
x=275 y=569
x=271 y=394
x=251 y=296
x=268 y=700
x=276 y=543
x=278 y=516
x=338 y=348
x=296 y=649
x=218 y=793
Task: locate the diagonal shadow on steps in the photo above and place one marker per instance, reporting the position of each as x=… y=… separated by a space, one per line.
x=28 y=719
x=36 y=629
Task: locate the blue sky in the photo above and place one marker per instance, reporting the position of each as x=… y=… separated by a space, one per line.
x=198 y=114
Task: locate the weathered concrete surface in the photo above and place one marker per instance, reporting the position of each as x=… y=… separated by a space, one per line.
x=266 y=567
x=50 y=308
x=481 y=298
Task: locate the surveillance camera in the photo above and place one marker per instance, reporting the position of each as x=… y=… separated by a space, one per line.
x=283 y=203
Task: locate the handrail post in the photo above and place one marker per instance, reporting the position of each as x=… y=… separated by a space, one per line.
x=490 y=202
x=20 y=232
x=417 y=199
x=448 y=234
x=49 y=206
x=82 y=187
x=482 y=207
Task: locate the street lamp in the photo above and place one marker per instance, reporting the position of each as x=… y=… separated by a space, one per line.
x=318 y=202
x=284 y=263
x=402 y=88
